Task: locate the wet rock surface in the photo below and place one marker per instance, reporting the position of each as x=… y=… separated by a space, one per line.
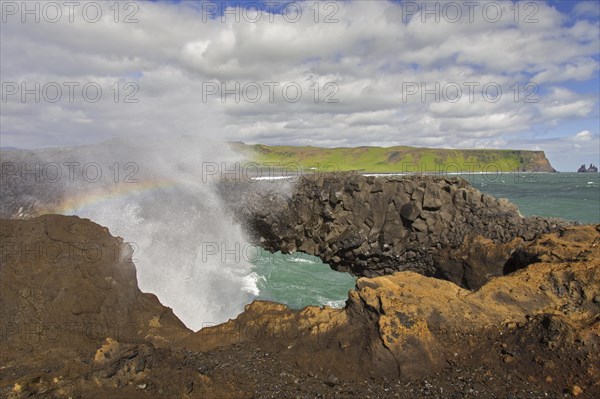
x=372 y=226
x=534 y=333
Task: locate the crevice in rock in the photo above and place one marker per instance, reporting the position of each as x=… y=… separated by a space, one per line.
x=519 y=259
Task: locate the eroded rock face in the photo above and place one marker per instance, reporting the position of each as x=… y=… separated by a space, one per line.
x=67 y=290
x=416 y=316
x=64 y=278
x=372 y=226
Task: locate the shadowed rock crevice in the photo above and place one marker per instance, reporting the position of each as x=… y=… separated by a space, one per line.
x=520 y=259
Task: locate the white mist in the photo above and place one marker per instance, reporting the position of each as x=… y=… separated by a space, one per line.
x=169 y=215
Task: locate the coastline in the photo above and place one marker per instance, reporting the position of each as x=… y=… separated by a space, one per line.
x=455 y=286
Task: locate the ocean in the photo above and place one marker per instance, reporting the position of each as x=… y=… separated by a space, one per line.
x=571 y=196
x=298 y=280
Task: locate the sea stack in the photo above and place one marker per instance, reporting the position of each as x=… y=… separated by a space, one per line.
x=592 y=169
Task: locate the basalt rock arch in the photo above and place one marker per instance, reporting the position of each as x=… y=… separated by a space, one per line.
x=372 y=226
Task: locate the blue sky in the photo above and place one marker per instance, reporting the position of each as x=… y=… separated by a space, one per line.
x=589 y=87
x=365 y=57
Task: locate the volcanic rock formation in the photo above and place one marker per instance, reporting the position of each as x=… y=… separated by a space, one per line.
x=372 y=226
x=592 y=169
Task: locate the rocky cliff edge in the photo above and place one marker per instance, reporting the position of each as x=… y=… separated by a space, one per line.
x=76 y=328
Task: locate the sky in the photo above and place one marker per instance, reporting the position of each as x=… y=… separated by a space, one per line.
x=482 y=74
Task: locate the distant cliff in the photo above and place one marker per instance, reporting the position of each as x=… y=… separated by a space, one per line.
x=399 y=159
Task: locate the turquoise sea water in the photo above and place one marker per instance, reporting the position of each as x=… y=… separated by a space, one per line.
x=572 y=196
x=299 y=280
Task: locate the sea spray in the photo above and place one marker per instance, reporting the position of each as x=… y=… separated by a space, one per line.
x=168 y=213
x=160 y=197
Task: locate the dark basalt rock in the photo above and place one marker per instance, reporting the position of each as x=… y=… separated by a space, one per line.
x=592 y=169
x=410 y=211
x=373 y=226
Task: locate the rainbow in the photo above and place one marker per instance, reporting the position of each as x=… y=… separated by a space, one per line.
x=72 y=204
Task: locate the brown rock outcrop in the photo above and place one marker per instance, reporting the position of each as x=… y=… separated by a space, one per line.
x=66 y=278
x=71 y=310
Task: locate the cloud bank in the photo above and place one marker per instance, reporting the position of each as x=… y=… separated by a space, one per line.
x=496 y=74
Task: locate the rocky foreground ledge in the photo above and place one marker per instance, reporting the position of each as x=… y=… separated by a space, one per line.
x=373 y=226
x=76 y=325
